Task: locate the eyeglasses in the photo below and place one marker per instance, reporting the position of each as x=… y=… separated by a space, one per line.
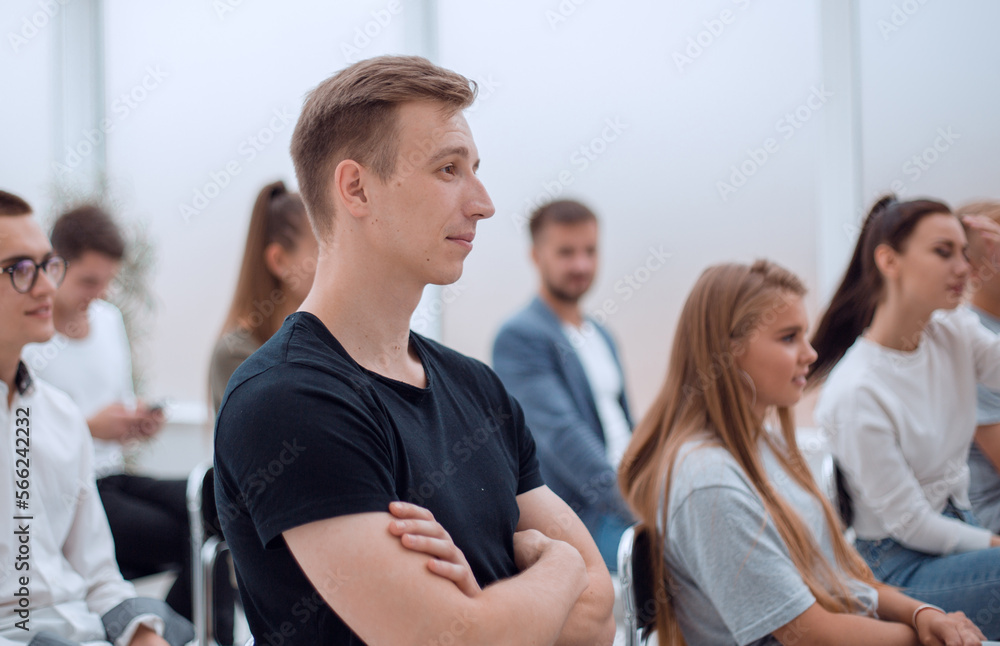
x=24 y=273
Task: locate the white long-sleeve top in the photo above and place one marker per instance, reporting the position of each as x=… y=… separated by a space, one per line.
x=70 y=549
x=901 y=423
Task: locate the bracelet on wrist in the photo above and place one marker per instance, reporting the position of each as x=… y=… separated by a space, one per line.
x=922 y=607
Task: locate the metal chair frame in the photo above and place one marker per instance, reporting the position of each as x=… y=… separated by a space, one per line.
x=634 y=574
x=207 y=545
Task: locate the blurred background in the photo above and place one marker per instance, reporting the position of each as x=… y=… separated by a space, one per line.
x=698 y=131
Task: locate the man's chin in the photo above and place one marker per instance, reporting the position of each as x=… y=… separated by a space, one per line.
x=448 y=278
x=570 y=298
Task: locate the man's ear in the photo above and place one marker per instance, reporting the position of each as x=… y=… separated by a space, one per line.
x=887 y=261
x=350 y=187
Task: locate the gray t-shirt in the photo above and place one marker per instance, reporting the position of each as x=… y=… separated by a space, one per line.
x=984 y=482
x=735 y=582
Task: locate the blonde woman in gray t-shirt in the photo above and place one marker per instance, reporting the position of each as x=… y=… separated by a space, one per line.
x=747 y=550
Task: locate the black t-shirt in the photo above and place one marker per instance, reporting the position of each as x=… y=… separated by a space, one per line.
x=305 y=433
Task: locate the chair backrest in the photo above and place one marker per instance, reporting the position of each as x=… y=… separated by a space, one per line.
x=815 y=448
x=636 y=575
x=843 y=503
x=207 y=544
x=209 y=512
x=202 y=511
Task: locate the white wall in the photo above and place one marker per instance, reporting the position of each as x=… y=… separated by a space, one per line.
x=656 y=185
x=27 y=110
x=549 y=86
x=928 y=70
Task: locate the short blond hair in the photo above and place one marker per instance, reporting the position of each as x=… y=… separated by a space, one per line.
x=352 y=115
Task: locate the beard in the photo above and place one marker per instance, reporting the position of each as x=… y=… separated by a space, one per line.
x=565 y=295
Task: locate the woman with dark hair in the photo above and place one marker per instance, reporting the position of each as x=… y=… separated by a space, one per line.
x=900 y=365
x=745 y=547
x=277 y=271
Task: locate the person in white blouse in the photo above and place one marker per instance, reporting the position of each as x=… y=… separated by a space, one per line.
x=59 y=582
x=899 y=366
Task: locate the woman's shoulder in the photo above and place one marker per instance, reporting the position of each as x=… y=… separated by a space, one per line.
x=953 y=329
x=233 y=346
x=704 y=464
x=864 y=374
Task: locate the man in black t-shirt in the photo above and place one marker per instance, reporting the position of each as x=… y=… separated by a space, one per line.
x=345 y=412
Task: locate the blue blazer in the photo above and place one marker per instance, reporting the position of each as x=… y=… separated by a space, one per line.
x=540 y=368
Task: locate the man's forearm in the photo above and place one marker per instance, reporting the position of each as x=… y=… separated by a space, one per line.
x=591 y=622
x=532 y=607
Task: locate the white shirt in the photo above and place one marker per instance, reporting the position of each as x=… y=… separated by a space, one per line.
x=901 y=424
x=71 y=569
x=605 y=385
x=95 y=371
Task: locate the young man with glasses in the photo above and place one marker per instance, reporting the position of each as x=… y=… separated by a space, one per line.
x=344 y=412
x=60 y=583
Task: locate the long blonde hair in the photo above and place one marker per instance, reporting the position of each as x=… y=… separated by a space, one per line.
x=706 y=392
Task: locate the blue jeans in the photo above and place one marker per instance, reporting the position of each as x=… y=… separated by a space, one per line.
x=608 y=535
x=969 y=581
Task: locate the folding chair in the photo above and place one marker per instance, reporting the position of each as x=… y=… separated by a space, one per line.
x=207 y=545
x=635 y=573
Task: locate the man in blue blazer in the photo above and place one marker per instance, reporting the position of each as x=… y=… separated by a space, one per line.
x=564 y=370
